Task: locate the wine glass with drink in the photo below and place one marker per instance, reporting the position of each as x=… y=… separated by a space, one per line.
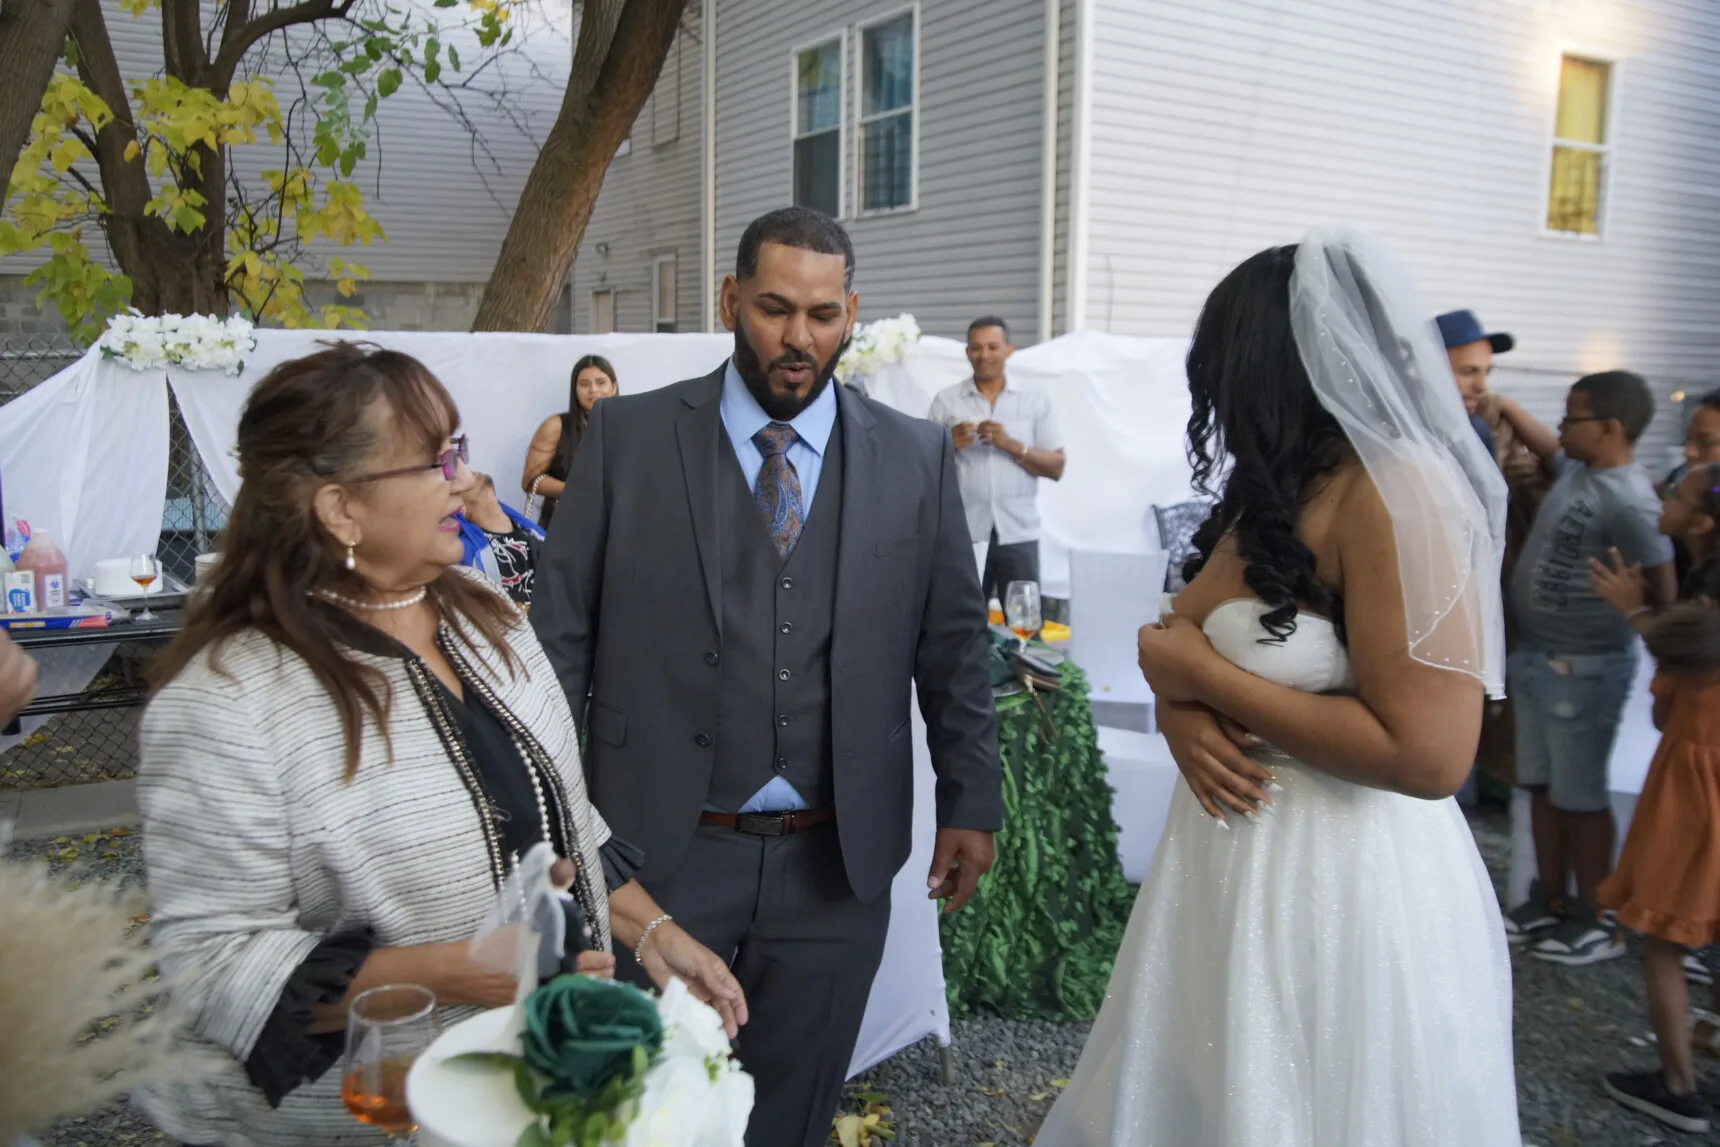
x=1021 y=610
x=387 y=1028
x=145 y=568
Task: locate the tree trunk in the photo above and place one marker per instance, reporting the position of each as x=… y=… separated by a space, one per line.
x=32 y=35
x=596 y=114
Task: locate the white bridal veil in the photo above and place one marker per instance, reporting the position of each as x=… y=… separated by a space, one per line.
x=1378 y=366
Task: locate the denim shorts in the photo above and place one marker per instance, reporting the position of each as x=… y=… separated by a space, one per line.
x=1567 y=710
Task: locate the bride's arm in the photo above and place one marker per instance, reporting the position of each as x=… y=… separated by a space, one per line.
x=1412 y=728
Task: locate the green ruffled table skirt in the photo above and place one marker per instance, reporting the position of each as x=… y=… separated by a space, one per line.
x=1039 y=936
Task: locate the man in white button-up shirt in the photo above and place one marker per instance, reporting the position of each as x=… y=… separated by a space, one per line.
x=1006 y=439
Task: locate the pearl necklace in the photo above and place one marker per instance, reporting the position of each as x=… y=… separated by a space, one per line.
x=354 y=603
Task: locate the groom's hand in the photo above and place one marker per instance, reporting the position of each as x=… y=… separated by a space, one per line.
x=960 y=857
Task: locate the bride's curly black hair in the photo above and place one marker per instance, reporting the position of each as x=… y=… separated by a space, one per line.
x=1257 y=426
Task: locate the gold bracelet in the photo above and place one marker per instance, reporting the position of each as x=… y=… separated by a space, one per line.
x=639 y=948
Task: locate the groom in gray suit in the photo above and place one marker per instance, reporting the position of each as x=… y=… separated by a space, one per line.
x=749 y=572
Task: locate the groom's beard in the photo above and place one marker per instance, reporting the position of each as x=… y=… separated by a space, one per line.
x=781 y=407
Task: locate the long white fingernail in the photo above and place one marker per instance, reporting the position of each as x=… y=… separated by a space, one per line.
x=1222 y=823
x=1274 y=787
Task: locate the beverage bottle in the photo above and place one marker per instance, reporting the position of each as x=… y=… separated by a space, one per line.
x=49 y=564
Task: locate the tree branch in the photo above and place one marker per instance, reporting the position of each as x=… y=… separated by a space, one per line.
x=236 y=43
x=30 y=43
x=182 y=41
x=125 y=184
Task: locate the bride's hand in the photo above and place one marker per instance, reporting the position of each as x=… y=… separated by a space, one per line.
x=1171 y=653
x=1215 y=767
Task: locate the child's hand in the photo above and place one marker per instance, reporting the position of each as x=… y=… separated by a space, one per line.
x=1623 y=587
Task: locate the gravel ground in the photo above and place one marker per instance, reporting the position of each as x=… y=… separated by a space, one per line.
x=1572 y=1025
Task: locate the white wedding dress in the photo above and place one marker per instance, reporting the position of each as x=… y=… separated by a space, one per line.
x=1333 y=976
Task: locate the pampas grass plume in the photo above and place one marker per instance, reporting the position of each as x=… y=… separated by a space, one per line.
x=81 y=1018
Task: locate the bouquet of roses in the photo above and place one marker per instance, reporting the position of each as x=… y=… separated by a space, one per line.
x=604 y=1064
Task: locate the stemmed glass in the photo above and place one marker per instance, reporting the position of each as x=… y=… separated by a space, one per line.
x=145 y=568
x=387 y=1028
x=1021 y=610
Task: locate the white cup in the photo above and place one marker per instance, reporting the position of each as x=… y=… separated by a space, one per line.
x=205 y=564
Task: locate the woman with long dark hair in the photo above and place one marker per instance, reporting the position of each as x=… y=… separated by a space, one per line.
x=1316 y=957
x=550 y=456
x=350 y=747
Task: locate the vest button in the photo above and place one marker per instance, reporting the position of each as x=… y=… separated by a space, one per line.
x=784 y=720
x=703 y=740
x=782 y=764
x=782 y=675
x=787 y=627
x=787 y=583
x=712 y=658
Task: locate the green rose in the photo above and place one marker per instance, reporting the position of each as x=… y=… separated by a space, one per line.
x=581 y=1032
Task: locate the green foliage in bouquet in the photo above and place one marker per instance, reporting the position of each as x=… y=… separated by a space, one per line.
x=588 y=1044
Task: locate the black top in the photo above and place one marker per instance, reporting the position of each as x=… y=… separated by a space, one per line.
x=286 y=1054
x=560 y=463
x=516 y=561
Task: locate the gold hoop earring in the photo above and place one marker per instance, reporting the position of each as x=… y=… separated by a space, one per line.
x=351 y=562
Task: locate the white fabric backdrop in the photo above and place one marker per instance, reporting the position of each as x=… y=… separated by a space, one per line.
x=83 y=458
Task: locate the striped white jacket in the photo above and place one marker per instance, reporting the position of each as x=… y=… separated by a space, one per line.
x=257 y=848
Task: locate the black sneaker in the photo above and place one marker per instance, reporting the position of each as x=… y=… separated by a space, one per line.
x=1533 y=918
x=1582 y=938
x=1646 y=1092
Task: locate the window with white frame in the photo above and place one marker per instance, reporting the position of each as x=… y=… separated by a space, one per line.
x=1582 y=146
x=663 y=294
x=818 y=127
x=602 y=312
x=887 y=80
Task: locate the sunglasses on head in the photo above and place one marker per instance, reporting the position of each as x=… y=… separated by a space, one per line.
x=449 y=462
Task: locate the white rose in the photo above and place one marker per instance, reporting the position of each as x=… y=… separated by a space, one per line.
x=684 y=1107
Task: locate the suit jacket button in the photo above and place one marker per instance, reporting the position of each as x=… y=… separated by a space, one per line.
x=703 y=740
x=782 y=675
x=782 y=764
x=787 y=583
x=787 y=627
x=783 y=721
x=712 y=658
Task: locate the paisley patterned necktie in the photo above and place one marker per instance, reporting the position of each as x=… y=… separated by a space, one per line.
x=776 y=493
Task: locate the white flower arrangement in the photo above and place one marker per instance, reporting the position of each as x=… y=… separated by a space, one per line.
x=696 y=1094
x=877 y=345
x=196 y=342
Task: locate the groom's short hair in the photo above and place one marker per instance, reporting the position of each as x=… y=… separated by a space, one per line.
x=798 y=227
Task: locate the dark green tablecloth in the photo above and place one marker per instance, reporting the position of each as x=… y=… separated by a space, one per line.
x=1039 y=936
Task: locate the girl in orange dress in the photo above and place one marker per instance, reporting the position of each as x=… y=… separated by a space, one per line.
x=1667 y=884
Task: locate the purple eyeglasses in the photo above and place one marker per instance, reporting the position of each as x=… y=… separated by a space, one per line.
x=449 y=462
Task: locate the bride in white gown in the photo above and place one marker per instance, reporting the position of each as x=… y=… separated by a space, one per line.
x=1316 y=957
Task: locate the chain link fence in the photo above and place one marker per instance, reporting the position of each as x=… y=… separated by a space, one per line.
x=100 y=743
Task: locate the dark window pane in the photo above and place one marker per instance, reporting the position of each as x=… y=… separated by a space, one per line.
x=887 y=57
x=819 y=82
x=889 y=162
x=818 y=172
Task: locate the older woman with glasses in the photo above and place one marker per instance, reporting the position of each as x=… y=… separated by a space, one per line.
x=349 y=747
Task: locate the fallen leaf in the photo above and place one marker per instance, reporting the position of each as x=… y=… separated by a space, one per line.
x=1060 y=1083
x=74 y=884
x=69 y=854
x=848 y=1130
x=62 y=840
x=992 y=1092
x=116 y=831
x=92 y=837
x=1036 y=1097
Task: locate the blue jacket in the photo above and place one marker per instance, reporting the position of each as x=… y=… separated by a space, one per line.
x=477 y=542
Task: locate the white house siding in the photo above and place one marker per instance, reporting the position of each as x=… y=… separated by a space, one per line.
x=1221 y=129
x=972 y=245
x=650 y=201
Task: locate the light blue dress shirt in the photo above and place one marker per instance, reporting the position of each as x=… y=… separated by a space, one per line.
x=743 y=417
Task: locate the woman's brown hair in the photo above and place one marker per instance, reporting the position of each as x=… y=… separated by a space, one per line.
x=311 y=422
x=577 y=415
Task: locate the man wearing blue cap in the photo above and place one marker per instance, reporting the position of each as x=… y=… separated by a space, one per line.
x=1471 y=351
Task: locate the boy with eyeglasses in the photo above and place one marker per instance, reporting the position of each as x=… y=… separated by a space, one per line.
x=1576 y=658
